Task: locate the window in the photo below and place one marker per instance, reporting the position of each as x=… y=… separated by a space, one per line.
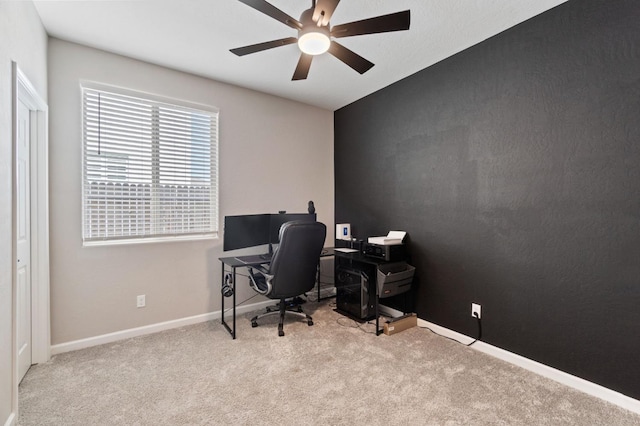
x=149 y=168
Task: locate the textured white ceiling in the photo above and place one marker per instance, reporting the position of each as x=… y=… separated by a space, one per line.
x=195 y=36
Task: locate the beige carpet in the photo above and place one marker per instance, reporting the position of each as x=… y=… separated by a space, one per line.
x=332 y=373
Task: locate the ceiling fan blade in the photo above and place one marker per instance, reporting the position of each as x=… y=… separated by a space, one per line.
x=302 y=69
x=245 y=50
x=350 y=58
x=274 y=12
x=398 y=21
x=323 y=11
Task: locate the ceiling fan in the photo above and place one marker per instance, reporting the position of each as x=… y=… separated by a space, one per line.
x=315 y=34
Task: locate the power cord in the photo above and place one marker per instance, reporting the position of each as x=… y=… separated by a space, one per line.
x=350 y=323
x=475 y=314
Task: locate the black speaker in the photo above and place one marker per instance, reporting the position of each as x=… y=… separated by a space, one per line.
x=227 y=288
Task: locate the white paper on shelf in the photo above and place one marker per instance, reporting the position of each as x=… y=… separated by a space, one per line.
x=346 y=250
x=392 y=238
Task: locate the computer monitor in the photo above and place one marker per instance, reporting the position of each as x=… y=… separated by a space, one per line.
x=257 y=229
x=246 y=231
x=277 y=220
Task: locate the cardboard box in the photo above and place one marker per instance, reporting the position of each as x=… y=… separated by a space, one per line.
x=396 y=325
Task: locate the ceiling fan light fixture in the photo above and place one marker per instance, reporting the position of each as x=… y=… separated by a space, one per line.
x=315 y=34
x=315 y=41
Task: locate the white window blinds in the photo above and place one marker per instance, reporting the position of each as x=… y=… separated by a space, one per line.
x=149 y=168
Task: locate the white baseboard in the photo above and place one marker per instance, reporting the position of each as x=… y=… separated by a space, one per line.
x=11 y=420
x=152 y=328
x=389 y=312
x=325 y=292
x=567 y=379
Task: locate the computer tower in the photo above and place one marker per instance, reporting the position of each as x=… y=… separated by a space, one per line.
x=356 y=292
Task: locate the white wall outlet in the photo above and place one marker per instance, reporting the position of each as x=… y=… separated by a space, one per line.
x=140 y=301
x=476 y=309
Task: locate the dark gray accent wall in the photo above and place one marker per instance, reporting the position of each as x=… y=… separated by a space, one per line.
x=515 y=168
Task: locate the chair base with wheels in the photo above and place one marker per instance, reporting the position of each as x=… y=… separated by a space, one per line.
x=293 y=268
x=295 y=310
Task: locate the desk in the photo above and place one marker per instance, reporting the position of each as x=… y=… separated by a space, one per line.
x=236 y=262
x=357 y=287
x=326 y=252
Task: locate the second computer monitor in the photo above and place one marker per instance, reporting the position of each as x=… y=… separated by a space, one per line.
x=246 y=231
x=253 y=230
x=277 y=220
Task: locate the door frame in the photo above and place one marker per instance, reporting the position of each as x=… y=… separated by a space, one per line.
x=23 y=90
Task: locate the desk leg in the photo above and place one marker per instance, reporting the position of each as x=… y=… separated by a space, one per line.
x=224 y=323
x=222 y=298
x=234 y=304
x=318 y=281
x=378 y=331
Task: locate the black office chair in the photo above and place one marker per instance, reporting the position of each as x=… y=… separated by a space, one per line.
x=293 y=268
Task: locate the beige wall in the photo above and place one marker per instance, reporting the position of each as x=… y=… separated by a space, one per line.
x=23 y=40
x=275 y=155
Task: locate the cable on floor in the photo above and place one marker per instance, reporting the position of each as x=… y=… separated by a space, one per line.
x=350 y=323
x=456 y=340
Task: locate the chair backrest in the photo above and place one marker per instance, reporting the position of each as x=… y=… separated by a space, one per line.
x=294 y=263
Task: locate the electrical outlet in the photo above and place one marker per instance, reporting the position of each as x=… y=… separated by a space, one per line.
x=476 y=309
x=140 y=301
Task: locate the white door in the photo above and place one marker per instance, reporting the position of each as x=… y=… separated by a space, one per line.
x=23 y=235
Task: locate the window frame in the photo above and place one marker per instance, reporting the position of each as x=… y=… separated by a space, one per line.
x=158 y=100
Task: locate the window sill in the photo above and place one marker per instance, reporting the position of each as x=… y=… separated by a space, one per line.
x=151 y=240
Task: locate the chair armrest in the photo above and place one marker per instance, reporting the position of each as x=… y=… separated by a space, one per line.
x=267 y=280
x=260 y=268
